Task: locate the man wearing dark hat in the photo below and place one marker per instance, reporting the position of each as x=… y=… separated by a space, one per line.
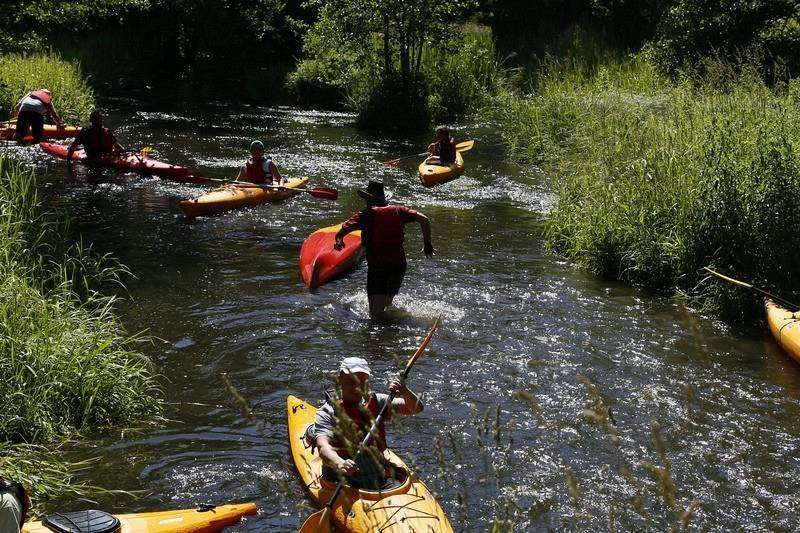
x=382 y=236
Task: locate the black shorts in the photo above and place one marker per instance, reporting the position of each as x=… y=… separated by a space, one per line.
x=385 y=278
x=33 y=121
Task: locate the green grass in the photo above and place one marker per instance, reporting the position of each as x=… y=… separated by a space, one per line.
x=657 y=179
x=67 y=369
x=72 y=96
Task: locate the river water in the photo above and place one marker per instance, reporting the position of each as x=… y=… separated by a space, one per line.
x=505 y=434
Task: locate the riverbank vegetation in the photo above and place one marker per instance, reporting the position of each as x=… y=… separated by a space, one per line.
x=72 y=96
x=66 y=367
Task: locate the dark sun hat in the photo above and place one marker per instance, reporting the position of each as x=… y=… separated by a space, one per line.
x=375 y=193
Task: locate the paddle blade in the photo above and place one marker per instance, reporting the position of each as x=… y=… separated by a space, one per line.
x=423 y=345
x=392 y=163
x=318 y=522
x=465 y=146
x=730 y=280
x=324 y=193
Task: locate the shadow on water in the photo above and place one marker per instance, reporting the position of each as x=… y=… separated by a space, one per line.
x=505 y=431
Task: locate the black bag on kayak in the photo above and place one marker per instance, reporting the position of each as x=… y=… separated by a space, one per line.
x=91 y=521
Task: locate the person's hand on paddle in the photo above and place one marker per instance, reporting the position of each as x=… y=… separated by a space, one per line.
x=347 y=467
x=428 y=250
x=397 y=386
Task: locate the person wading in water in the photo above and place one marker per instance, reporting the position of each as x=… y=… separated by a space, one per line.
x=31 y=112
x=343 y=421
x=97 y=140
x=382 y=236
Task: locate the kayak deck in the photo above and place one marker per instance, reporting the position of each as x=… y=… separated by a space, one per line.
x=431 y=175
x=230 y=197
x=785 y=327
x=178 y=521
x=321 y=263
x=7 y=132
x=128 y=162
x=409 y=507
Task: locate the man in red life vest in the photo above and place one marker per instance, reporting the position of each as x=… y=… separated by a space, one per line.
x=382 y=235
x=14 y=504
x=31 y=112
x=260 y=169
x=346 y=417
x=443 y=150
x=97 y=140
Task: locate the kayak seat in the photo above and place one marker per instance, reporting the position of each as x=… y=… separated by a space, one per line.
x=91 y=521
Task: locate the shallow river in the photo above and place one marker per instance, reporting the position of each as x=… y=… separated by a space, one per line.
x=501 y=380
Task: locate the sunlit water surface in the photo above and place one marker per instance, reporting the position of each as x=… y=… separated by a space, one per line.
x=505 y=428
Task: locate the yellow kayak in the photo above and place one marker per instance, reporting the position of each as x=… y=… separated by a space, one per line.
x=181 y=521
x=50 y=131
x=431 y=175
x=230 y=197
x=408 y=508
x=785 y=327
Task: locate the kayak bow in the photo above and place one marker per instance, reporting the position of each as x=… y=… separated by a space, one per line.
x=431 y=175
x=321 y=263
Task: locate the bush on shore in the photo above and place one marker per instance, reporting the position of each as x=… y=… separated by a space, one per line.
x=66 y=366
x=658 y=179
x=72 y=96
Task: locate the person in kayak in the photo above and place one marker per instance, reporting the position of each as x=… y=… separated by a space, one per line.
x=96 y=140
x=346 y=417
x=382 y=235
x=31 y=112
x=258 y=168
x=443 y=150
x=14 y=504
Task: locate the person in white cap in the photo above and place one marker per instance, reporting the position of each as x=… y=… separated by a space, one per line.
x=343 y=421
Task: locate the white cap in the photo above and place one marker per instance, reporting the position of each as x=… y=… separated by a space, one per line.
x=351 y=365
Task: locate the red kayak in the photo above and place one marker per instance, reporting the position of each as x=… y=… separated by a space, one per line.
x=128 y=162
x=320 y=263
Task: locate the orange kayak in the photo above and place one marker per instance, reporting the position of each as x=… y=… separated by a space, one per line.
x=230 y=197
x=785 y=327
x=320 y=263
x=409 y=507
x=431 y=175
x=181 y=521
x=7 y=132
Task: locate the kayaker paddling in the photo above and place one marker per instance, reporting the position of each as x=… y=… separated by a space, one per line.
x=443 y=149
x=14 y=506
x=382 y=235
x=345 y=418
x=96 y=139
x=31 y=113
x=259 y=168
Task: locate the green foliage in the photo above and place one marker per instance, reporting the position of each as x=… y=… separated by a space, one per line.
x=20 y=74
x=656 y=179
x=693 y=30
x=65 y=365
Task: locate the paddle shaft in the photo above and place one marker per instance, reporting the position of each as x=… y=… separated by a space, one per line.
x=256 y=185
x=464 y=146
x=752 y=288
x=386 y=406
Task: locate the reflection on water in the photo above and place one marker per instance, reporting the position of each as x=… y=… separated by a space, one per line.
x=506 y=432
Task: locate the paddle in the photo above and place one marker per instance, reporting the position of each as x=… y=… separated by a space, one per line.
x=320 y=521
x=752 y=288
x=460 y=147
x=318 y=192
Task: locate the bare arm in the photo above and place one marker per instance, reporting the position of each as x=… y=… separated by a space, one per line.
x=276 y=175
x=54 y=115
x=242 y=176
x=71 y=150
x=412 y=405
x=346 y=229
x=425 y=224
x=331 y=458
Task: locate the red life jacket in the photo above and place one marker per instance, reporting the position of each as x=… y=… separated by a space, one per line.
x=384 y=228
x=254 y=170
x=42 y=96
x=363 y=423
x=99 y=142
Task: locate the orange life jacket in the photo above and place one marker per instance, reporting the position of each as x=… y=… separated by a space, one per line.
x=363 y=423
x=254 y=170
x=99 y=142
x=43 y=97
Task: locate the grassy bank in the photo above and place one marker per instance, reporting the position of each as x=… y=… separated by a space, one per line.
x=72 y=96
x=657 y=179
x=66 y=367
